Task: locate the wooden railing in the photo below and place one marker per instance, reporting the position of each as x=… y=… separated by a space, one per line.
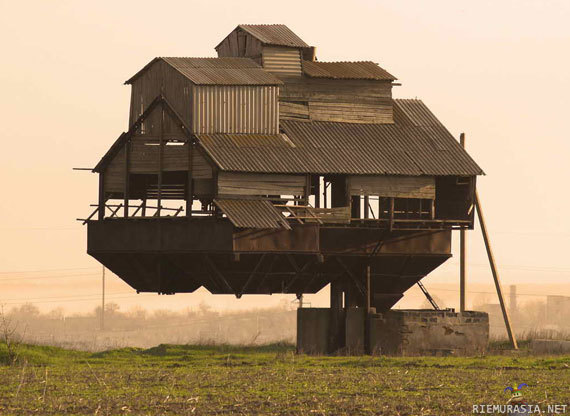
x=142 y=209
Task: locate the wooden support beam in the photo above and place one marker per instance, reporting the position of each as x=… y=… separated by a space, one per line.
x=307 y=189
x=317 y=192
x=495 y=272
x=101 y=201
x=391 y=226
x=366 y=206
x=190 y=183
x=126 y=187
x=462 y=254
x=160 y=162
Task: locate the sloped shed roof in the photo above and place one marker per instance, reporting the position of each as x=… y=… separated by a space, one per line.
x=416 y=144
x=252 y=213
x=346 y=70
x=217 y=71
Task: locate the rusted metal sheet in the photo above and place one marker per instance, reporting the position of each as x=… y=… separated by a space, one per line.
x=235 y=109
x=282 y=61
x=279 y=35
x=346 y=70
x=252 y=213
x=345 y=148
x=299 y=239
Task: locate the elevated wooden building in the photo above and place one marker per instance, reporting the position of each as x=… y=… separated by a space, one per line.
x=267 y=171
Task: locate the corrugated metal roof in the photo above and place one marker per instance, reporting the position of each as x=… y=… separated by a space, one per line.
x=217 y=71
x=346 y=70
x=252 y=213
x=416 y=144
x=275 y=35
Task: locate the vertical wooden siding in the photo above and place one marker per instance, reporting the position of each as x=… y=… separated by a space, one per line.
x=240 y=44
x=235 y=109
x=160 y=78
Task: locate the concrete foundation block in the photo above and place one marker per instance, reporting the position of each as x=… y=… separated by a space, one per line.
x=429 y=332
x=396 y=332
x=550 y=346
x=313 y=330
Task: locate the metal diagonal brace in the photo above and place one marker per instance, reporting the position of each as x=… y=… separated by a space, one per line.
x=358 y=284
x=218 y=274
x=428 y=296
x=298 y=272
x=251 y=276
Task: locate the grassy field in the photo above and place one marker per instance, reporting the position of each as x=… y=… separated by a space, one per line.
x=180 y=380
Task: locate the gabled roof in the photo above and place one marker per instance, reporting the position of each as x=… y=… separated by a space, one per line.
x=278 y=35
x=216 y=71
x=416 y=144
x=346 y=70
x=124 y=137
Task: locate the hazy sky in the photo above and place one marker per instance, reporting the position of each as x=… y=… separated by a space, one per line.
x=498 y=70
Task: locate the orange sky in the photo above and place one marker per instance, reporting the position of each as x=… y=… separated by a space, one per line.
x=496 y=70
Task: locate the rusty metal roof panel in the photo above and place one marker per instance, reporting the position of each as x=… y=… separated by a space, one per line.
x=346 y=70
x=416 y=144
x=252 y=213
x=217 y=71
x=279 y=35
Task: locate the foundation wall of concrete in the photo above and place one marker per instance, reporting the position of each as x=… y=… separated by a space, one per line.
x=396 y=332
x=428 y=332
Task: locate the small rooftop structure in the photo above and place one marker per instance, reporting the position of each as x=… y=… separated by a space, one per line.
x=276 y=35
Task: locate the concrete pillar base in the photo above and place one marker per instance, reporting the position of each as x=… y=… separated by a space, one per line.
x=395 y=332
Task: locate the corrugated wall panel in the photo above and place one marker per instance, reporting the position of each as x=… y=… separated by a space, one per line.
x=235 y=109
x=282 y=61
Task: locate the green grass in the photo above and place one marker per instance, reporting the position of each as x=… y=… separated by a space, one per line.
x=272 y=379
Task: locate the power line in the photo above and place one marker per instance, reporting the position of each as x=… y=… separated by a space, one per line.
x=46 y=270
x=47 y=277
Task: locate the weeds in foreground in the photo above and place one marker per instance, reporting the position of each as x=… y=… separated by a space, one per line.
x=9 y=337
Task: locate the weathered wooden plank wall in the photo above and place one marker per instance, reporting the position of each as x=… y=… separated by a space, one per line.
x=160 y=78
x=260 y=184
x=351 y=101
x=240 y=44
x=114 y=175
x=393 y=186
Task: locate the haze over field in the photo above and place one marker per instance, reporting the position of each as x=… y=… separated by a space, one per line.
x=495 y=70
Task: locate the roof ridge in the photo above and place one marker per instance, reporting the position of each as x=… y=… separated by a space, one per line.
x=262 y=24
x=341 y=62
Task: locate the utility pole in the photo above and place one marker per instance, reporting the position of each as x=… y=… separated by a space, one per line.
x=462 y=254
x=103 y=301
